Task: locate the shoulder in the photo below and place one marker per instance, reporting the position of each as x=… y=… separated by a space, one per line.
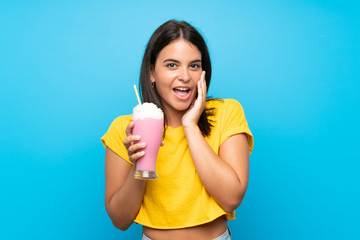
x=120 y=123
x=224 y=105
x=124 y=118
x=120 y=120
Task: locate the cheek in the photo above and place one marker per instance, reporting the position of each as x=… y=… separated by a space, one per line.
x=160 y=75
x=165 y=77
x=196 y=76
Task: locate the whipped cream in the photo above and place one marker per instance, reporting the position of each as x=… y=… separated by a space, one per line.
x=147 y=110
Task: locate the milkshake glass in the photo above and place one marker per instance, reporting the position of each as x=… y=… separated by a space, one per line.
x=148 y=124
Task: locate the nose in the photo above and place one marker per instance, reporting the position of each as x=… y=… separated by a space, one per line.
x=184 y=75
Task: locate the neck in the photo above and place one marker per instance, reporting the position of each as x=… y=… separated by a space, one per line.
x=174 y=117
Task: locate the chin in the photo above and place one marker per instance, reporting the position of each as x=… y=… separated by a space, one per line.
x=182 y=107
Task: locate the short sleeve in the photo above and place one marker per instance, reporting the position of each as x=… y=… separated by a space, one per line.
x=113 y=138
x=233 y=122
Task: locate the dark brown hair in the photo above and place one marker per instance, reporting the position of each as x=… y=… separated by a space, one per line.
x=164 y=35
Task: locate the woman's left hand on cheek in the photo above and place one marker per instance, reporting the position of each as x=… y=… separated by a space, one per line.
x=193 y=114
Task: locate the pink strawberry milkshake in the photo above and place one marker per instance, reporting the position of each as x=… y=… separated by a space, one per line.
x=148 y=124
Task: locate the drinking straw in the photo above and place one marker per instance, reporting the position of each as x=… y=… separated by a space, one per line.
x=137 y=94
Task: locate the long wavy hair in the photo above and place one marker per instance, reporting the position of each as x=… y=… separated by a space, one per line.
x=164 y=35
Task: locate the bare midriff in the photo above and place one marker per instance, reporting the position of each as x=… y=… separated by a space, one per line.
x=205 y=231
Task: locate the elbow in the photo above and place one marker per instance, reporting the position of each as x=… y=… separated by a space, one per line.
x=121 y=226
x=232 y=203
x=122 y=223
x=119 y=222
x=230 y=207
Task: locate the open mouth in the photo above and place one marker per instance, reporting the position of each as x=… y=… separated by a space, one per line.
x=181 y=92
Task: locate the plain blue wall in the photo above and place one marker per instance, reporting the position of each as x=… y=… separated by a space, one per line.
x=67 y=70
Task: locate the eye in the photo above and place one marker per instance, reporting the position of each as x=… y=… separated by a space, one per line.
x=195 y=66
x=171 y=65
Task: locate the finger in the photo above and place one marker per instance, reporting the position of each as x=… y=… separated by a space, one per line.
x=200 y=91
x=136 y=147
x=202 y=79
x=129 y=128
x=134 y=157
x=204 y=84
x=128 y=140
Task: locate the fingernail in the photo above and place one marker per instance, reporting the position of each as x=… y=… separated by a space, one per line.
x=137 y=137
x=143 y=144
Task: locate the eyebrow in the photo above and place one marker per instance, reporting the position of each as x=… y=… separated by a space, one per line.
x=177 y=61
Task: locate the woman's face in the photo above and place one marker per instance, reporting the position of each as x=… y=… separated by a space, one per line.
x=176 y=73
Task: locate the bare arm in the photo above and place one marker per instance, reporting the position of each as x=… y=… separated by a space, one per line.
x=225 y=176
x=123 y=193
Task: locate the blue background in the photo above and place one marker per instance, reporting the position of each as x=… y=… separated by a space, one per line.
x=67 y=70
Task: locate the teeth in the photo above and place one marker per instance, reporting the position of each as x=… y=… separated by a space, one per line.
x=182 y=89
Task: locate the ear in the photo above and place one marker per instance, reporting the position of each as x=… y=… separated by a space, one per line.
x=152 y=77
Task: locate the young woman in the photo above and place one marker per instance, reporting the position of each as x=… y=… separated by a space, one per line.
x=203 y=165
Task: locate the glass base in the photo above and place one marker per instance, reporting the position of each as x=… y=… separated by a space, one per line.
x=145 y=175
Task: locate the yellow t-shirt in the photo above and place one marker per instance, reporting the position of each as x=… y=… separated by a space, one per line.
x=178 y=199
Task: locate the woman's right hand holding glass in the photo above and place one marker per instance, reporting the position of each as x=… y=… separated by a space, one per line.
x=132 y=145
